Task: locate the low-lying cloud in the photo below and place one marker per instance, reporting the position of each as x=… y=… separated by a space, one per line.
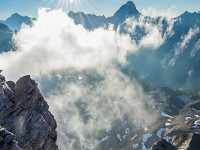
x=171 y=58
x=92 y=92
x=153 y=12
x=54 y=42
x=154 y=34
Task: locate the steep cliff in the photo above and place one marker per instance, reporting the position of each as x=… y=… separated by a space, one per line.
x=24 y=113
x=186 y=141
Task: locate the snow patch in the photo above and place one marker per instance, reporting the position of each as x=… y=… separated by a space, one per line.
x=196 y=123
x=133 y=137
x=146 y=136
x=80 y=78
x=127 y=130
x=145 y=127
x=135 y=145
x=165 y=114
x=72 y=143
x=193 y=108
x=188 y=118
x=159 y=133
x=167 y=124
x=144 y=147
x=168 y=138
x=119 y=137
x=108 y=128
x=169 y=120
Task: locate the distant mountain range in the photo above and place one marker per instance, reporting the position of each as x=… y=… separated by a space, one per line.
x=175 y=63
x=92 y=21
x=8 y=27
x=168 y=65
x=15 y=21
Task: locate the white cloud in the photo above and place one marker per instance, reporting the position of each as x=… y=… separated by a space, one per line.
x=153 y=39
x=195 y=49
x=153 y=12
x=89 y=109
x=85 y=102
x=55 y=42
x=154 y=35
x=174 y=54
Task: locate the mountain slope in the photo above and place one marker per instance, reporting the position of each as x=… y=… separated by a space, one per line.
x=125 y=11
x=5 y=38
x=172 y=113
x=15 y=21
x=174 y=62
x=87 y=20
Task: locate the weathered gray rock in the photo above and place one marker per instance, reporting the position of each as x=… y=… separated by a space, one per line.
x=24 y=113
x=7 y=140
x=163 y=145
x=187 y=141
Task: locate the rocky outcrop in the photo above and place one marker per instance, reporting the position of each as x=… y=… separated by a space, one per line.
x=186 y=141
x=25 y=114
x=163 y=145
x=7 y=140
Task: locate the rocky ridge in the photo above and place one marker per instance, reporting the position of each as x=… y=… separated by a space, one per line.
x=26 y=117
x=186 y=141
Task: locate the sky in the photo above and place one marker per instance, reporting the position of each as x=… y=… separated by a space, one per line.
x=99 y=7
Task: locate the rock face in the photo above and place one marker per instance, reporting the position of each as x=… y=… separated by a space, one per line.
x=163 y=145
x=7 y=140
x=186 y=141
x=24 y=113
x=127 y=10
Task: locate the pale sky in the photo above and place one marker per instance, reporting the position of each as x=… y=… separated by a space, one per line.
x=98 y=7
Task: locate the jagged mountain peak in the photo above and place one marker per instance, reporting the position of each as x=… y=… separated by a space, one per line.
x=190 y=18
x=15 y=15
x=15 y=21
x=127 y=10
x=18 y=16
x=130 y=3
x=187 y=13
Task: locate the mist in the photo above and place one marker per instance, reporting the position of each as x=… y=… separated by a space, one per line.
x=55 y=43
x=81 y=75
